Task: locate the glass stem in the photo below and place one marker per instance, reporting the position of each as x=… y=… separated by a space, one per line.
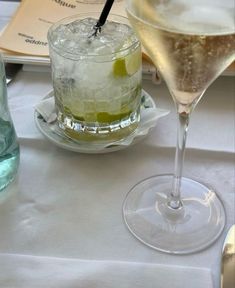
x=174 y=197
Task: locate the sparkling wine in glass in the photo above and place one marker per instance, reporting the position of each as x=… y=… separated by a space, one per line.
x=191 y=42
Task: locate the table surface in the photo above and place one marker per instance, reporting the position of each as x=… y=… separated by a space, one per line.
x=66 y=204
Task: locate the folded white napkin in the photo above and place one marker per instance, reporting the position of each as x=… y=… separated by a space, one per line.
x=21 y=271
x=46 y=108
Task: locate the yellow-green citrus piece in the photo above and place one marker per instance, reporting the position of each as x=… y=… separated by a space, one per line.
x=133 y=62
x=128 y=65
x=119 y=68
x=105 y=117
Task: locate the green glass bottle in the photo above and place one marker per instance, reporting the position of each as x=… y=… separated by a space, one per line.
x=9 y=147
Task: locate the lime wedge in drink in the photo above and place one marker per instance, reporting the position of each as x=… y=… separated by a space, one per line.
x=105 y=117
x=128 y=65
x=119 y=68
x=133 y=62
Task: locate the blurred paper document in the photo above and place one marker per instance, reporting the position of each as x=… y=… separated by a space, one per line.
x=27 y=31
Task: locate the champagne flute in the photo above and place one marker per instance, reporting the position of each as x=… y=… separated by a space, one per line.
x=191 y=42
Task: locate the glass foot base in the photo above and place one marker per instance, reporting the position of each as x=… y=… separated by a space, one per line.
x=193 y=227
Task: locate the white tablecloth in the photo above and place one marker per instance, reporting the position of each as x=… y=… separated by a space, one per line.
x=69 y=205
x=66 y=205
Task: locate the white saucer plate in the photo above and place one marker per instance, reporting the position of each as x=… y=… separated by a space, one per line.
x=56 y=135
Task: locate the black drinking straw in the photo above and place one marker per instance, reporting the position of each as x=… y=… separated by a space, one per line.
x=103 y=16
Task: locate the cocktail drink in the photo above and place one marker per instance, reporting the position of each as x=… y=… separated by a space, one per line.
x=191 y=42
x=96 y=79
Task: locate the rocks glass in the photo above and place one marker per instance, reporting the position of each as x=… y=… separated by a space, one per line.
x=96 y=78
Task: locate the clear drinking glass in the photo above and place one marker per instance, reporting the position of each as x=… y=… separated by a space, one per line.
x=9 y=147
x=191 y=42
x=96 y=79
